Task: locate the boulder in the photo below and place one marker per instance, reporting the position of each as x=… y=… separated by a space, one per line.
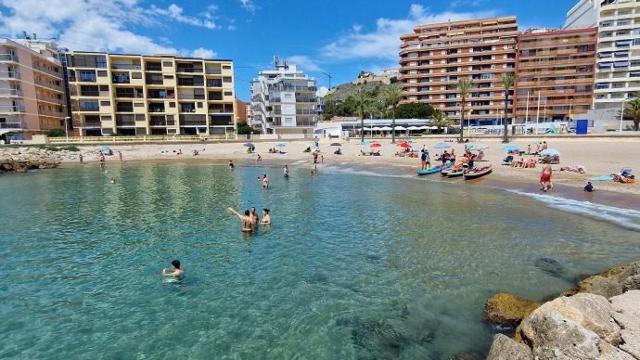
x=508 y=309
x=626 y=309
x=610 y=283
x=504 y=348
x=575 y=327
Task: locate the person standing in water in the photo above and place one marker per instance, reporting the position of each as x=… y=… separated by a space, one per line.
x=265 y=182
x=266 y=218
x=81 y=158
x=285 y=170
x=545 y=178
x=231 y=166
x=247 y=220
x=120 y=155
x=102 y=160
x=177 y=272
x=254 y=217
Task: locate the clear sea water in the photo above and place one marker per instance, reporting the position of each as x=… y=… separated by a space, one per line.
x=354 y=267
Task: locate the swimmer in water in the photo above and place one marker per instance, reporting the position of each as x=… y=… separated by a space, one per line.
x=247 y=220
x=285 y=170
x=177 y=272
x=265 y=182
x=231 y=166
x=254 y=217
x=112 y=181
x=266 y=218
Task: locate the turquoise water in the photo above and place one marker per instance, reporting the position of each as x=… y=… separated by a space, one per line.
x=354 y=267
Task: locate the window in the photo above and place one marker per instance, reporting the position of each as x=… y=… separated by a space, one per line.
x=168 y=76
x=102 y=73
x=104 y=87
x=105 y=117
x=199 y=105
x=167 y=64
x=89 y=105
x=227 y=93
x=88 y=90
x=105 y=103
x=226 y=79
x=136 y=75
x=172 y=104
x=101 y=61
x=138 y=104
x=87 y=75
x=226 y=67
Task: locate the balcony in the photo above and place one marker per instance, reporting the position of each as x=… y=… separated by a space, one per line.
x=161 y=120
x=214 y=71
x=120 y=78
x=10 y=92
x=10 y=109
x=126 y=66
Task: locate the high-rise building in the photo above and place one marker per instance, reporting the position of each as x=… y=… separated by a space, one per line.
x=555 y=74
x=284 y=101
x=618 y=64
x=584 y=14
x=150 y=95
x=32 y=96
x=435 y=57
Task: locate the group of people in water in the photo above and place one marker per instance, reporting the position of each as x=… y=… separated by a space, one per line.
x=250 y=219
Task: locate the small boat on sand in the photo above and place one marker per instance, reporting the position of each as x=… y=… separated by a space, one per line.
x=456 y=173
x=429 y=171
x=477 y=172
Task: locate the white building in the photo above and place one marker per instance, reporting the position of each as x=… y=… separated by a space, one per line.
x=618 y=63
x=583 y=14
x=284 y=101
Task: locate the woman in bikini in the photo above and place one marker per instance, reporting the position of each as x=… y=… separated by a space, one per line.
x=545 y=178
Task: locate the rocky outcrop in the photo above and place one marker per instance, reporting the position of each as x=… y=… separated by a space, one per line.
x=507 y=309
x=586 y=326
x=27 y=158
x=504 y=348
x=610 y=283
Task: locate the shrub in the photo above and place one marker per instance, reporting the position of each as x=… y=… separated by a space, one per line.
x=56 y=132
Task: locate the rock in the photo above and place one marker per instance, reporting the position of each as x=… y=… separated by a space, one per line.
x=626 y=309
x=553 y=268
x=610 y=283
x=504 y=348
x=508 y=309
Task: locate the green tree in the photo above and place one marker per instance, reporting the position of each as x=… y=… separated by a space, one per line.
x=56 y=132
x=392 y=95
x=632 y=113
x=362 y=101
x=244 y=129
x=508 y=80
x=440 y=120
x=464 y=86
x=414 y=110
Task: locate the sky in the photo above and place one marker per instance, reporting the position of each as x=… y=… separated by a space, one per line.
x=336 y=38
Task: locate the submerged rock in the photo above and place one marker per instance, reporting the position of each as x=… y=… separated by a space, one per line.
x=507 y=309
x=610 y=283
x=504 y=348
x=553 y=268
x=377 y=338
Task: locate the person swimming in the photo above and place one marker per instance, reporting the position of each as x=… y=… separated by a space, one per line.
x=266 y=218
x=247 y=220
x=177 y=271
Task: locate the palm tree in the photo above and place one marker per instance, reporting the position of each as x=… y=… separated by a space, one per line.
x=464 y=86
x=632 y=112
x=440 y=119
x=392 y=96
x=362 y=101
x=507 y=79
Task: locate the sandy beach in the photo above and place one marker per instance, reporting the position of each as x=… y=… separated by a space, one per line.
x=599 y=156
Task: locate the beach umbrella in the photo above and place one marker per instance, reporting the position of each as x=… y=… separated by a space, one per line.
x=510 y=148
x=550 y=152
x=376 y=128
x=412 y=128
x=281 y=145
x=401 y=128
x=404 y=145
x=336 y=144
x=376 y=145
x=474 y=147
x=386 y=128
x=441 y=146
x=247 y=144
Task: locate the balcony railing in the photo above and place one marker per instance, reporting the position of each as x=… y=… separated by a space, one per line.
x=10 y=92
x=126 y=66
x=216 y=71
x=13 y=74
x=12 y=125
x=11 y=109
x=8 y=57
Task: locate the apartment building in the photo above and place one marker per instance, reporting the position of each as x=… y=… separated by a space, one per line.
x=618 y=63
x=150 y=95
x=284 y=101
x=435 y=57
x=32 y=96
x=584 y=14
x=555 y=74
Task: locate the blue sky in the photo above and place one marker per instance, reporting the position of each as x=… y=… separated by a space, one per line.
x=337 y=37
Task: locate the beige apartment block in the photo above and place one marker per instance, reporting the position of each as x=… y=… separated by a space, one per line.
x=556 y=70
x=32 y=94
x=150 y=95
x=435 y=57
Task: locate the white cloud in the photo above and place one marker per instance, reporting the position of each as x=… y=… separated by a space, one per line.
x=322 y=91
x=176 y=13
x=93 y=25
x=303 y=62
x=248 y=5
x=384 y=41
x=203 y=53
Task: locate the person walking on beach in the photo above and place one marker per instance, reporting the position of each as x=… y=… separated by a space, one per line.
x=545 y=178
x=247 y=220
x=285 y=170
x=176 y=272
x=259 y=158
x=231 y=166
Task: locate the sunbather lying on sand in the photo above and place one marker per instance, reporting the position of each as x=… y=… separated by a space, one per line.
x=576 y=169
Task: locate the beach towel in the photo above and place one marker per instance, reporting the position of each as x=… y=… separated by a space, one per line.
x=602 y=178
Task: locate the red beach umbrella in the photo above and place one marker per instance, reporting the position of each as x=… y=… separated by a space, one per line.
x=376 y=145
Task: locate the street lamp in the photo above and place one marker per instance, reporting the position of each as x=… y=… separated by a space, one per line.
x=66 y=127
